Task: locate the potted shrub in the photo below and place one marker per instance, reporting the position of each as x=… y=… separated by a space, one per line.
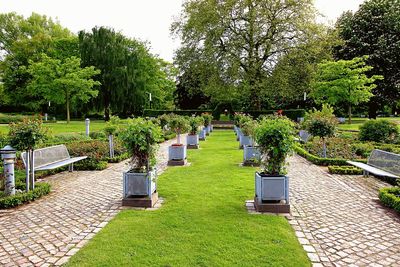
x=275 y=137
x=207 y=122
x=322 y=124
x=177 y=151
x=140 y=137
x=110 y=129
x=251 y=152
x=202 y=129
x=244 y=137
x=192 y=139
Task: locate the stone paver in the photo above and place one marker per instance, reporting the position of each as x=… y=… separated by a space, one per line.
x=52 y=229
x=338 y=219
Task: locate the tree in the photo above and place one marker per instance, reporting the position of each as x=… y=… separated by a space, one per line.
x=23 y=40
x=62 y=81
x=374 y=30
x=242 y=39
x=344 y=81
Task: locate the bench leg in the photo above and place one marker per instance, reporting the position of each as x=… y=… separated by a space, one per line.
x=71 y=167
x=365 y=173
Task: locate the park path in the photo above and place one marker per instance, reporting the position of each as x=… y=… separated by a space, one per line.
x=50 y=230
x=338 y=218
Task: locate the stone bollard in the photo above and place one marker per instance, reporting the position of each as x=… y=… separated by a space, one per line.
x=87 y=124
x=8 y=155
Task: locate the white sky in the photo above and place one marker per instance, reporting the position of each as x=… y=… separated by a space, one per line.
x=147 y=20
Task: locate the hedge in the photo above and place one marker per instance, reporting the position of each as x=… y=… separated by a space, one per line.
x=321 y=161
x=346 y=170
x=390 y=197
x=40 y=190
x=187 y=112
x=290 y=113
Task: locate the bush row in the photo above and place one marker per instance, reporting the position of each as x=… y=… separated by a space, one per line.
x=346 y=170
x=290 y=113
x=390 y=197
x=187 y=112
x=40 y=190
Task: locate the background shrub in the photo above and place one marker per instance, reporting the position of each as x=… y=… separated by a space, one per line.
x=40 y=190
x=345 y=170
x=390 y=197
x=382 y=131
x=97 y=135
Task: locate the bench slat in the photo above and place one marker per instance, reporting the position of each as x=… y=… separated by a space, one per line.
x=60 y=163
x=371 y=169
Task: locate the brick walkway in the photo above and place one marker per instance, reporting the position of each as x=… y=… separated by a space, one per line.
x=53 y=228
x=339 y=219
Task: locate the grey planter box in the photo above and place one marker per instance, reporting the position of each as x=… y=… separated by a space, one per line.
x=207 y=130
x=202 y=135
x=211 y=128
x=239 y=133
x=269 y=188
x=177 y=152
x=245 y=140
x=139 y=184
x=304 y=136
x=341 y=120
x=235 y=129
x=251 y=155
x=192 y=141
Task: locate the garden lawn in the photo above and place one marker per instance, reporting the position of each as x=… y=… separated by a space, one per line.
x=357 y=122
x=203 y=221
x=64 y=127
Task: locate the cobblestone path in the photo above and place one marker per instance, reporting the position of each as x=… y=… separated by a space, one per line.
x=50 y=230
x=338 y=219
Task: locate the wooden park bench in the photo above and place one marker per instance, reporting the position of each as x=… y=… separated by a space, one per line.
x=381 y=163
x=53 y=157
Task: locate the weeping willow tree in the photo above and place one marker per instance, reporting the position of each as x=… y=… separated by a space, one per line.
x=129 y=72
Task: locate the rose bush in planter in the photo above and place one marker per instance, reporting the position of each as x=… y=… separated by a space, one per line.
x=207 y=122
x=141 y=138
x=177 y=151
x=251 y=152
x=321 y=124
x=242 y=137
x=192 y=139
x=275 y=137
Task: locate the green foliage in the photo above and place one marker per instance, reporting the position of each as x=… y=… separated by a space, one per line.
x=345 y=170
x=195 y=123
x=390 y=197
x=27 y=134
x=292 y=114
x=275 y=137
x=97 y=135
x=336 y=148
x=383 y=131
x=321 y=161
x=344 y=81
x=179 y=125
x=374 y=30
x=62 y=81
x=321 y=123
x=40 y=190
x=207 y=118
x=186 y=112
x=66 y=138
x=112 y=125
x=140 y=137
x=249 y=127
x=231 y=41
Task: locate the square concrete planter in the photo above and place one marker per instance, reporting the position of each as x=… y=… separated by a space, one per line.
x=207 y=129
x=251 y=156
x=211 y=128
x=202 y=135
x=272 y=193
x=140 y=189
x=192 y=141
x=235 y=129
x=177 y=155
x=239 y=133
x=245 y=140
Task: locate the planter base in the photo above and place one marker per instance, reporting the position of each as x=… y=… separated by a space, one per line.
x=192 y=146
x=240 y=146
x=141 y=202
x=177 y=162
x=250 y=164
x=202 y=139
x=271 y=207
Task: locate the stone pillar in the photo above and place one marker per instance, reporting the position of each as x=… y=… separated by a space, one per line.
x=8 y=155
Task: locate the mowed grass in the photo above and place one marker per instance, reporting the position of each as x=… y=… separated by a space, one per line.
x=357 y=122
x=203 y=221
x=64 y=127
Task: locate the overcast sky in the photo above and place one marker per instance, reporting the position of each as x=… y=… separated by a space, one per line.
x=147 y=20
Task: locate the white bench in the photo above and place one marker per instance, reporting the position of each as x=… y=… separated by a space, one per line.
x=381 y=163
x=53 y=157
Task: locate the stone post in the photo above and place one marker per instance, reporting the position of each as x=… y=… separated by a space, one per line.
x=87 y=124
x=8 y=155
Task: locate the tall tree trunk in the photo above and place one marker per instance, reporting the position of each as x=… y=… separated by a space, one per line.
x=349 y=113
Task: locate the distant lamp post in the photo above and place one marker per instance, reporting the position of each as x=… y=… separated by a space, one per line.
x=150 y=99
x=305 y=96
